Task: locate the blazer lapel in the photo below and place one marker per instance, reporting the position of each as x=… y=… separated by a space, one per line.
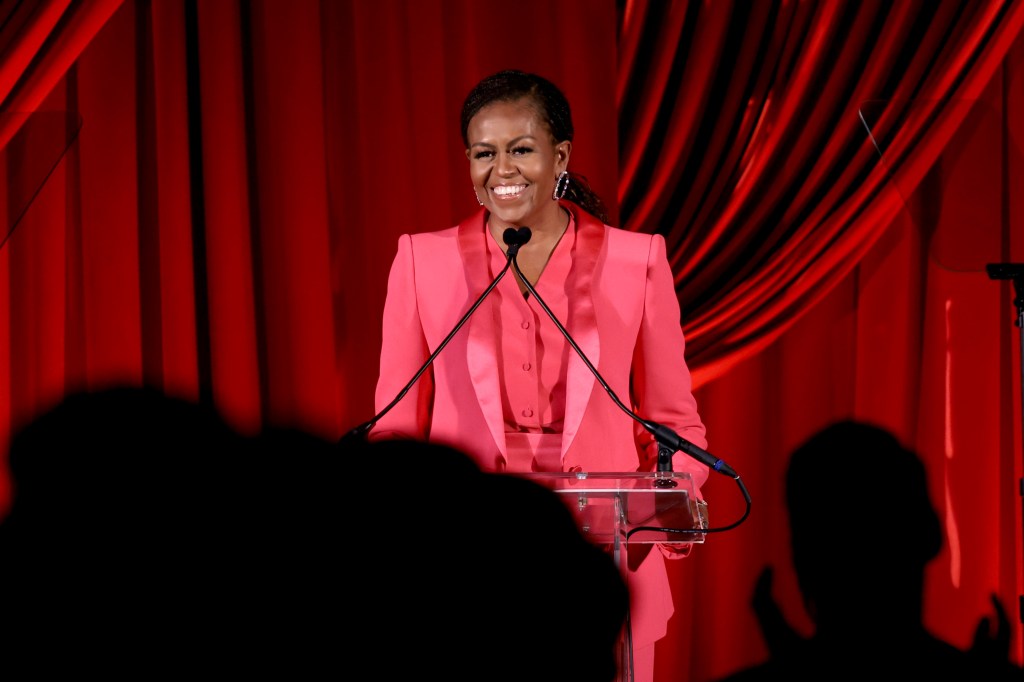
x=582 y=323
x=481 y=355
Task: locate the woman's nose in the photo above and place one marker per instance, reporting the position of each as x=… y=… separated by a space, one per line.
x=506 y=165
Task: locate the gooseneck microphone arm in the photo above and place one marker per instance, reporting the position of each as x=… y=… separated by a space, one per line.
x=514 y=239
x=668 y=440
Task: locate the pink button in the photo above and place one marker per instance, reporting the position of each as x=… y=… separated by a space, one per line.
x=527 y=412
x=526 y=366
x=526 y=325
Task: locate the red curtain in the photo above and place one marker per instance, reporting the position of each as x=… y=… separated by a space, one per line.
x=831 y=178
x=751 y=137
x=38 y=43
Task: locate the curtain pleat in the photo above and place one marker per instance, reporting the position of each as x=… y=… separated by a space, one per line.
x=807 y=191
x=218 y=136
x=40 y=42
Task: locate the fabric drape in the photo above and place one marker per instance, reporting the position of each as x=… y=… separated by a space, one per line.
x=39 y=41
x=230 y=179
x=749 y=137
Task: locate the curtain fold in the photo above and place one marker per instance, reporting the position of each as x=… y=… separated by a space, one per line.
x=39 y=41
x=798 y=190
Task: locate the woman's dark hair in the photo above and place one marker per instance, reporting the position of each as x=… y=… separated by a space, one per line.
x=552 y=107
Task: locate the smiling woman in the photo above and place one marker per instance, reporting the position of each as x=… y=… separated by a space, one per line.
x=517 y=164
x=509 y=389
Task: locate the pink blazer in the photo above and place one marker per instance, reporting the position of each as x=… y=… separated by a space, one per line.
x=624 y=315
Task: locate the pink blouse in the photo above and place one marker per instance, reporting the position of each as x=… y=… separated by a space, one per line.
x=534 y=357
x=534 y=353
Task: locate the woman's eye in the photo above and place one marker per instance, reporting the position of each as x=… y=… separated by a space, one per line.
x=521 y=150
x=483 y=155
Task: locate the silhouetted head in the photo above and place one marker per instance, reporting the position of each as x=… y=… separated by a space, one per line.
x=144 y=532
x=862 y=523
x=479 y=575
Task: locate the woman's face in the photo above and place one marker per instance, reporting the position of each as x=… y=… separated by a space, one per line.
x=514 y=162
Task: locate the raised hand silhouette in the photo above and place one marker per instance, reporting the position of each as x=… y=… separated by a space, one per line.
x=860 y=547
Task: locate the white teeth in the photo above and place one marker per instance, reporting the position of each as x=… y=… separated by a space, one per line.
x=508 y=190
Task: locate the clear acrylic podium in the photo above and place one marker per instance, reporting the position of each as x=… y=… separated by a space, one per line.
x=620 y=511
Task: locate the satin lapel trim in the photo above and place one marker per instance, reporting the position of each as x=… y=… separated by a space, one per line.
x=481 y=354
x=582 y=323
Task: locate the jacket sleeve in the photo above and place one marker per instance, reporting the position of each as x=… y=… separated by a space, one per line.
x=403 y=352
x=661 y=383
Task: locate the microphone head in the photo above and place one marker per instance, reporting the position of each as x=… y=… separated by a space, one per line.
x=515 y=238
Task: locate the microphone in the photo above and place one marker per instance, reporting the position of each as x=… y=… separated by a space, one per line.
x=514 y=239
x=668 y=440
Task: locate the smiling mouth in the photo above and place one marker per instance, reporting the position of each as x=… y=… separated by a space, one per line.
x=508 y=191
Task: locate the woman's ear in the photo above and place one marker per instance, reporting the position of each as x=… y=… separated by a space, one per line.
x=562 y=151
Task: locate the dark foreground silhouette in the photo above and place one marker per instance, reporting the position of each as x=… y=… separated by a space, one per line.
x=148 y=537
x=860 y=545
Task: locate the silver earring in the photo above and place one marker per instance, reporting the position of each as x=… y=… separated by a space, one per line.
x=561 y=185
x=478 y=199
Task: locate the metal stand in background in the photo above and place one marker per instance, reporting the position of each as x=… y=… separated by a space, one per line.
x=1015 y=272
